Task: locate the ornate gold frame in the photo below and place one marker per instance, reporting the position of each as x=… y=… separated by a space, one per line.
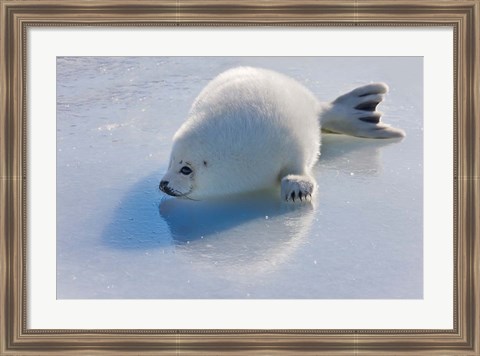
x=16 y=15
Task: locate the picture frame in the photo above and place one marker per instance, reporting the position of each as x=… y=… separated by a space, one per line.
x=17 y=16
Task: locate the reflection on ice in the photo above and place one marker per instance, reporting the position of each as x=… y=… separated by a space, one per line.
x=191 y=220
x=252 y=234
x=353 y=154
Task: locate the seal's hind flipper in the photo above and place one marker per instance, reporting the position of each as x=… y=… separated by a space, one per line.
x=355 y=113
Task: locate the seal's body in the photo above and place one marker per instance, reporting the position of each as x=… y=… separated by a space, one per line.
x=250 y=129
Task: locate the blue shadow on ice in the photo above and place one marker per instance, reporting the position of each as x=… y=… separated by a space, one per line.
x=190 y=220
x=135 y=223
x=146 y=219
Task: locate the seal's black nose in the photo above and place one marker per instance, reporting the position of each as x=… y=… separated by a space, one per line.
x=163 y=185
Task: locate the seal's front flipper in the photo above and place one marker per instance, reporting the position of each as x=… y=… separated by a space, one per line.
x=297 y=187
x=355 y=113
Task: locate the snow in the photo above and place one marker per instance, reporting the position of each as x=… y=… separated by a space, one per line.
x=119 y=237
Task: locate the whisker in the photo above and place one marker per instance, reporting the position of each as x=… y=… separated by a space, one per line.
x=187 y=197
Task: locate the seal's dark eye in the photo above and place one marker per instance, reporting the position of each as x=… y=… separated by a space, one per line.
x=186 y=170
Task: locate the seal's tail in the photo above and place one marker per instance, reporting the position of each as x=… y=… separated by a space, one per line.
x=355 y=113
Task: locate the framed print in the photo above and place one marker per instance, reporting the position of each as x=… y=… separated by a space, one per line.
x=257 y=178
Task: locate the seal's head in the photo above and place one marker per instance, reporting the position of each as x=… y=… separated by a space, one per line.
x=182 y=176
x=179 y=180
x=185 y=177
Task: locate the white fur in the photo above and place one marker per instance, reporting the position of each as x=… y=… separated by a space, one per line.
x=250 y=129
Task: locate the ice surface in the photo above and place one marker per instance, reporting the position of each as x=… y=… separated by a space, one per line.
x=119 y=237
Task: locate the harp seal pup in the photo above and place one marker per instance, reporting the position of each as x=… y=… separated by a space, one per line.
x=251 y=129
